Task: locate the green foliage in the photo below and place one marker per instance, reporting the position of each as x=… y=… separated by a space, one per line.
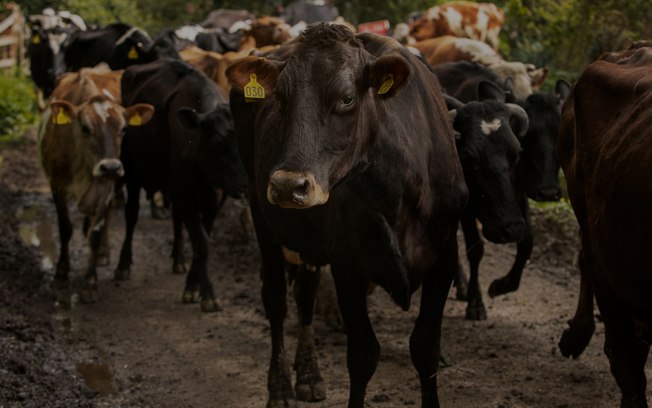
x=17 y=107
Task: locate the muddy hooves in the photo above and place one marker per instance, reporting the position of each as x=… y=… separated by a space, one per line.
x=210 y=305
x=179 y=268
x=121 y=274
x=311 y=392
x=282 y=404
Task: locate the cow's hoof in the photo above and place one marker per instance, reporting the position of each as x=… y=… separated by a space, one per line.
x=179 y=268
x=210 y=305
x=311 y=391
x=575 y=339
x=282 y=404
x=190 y=296
x=501 y=286
x=121 y=274
x=445 y=360
x=88 y=295
x=476 y=311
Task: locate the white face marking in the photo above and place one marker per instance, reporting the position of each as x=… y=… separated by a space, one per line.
x=102 y=109
x=489 y=127
x=433 y=13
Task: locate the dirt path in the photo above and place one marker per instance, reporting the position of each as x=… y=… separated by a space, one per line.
x=139 y=346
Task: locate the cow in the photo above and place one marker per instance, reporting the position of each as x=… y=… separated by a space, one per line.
x=219 y=40
x=488 y=134
x=535 y=175
x=526 y=78
x=119 y=45
x=79 y=150
x=225 y=18
x=605 y=150
x=351 y=162
x=188 y=152
x=49 y=34
x=477 y=21
x=308 y=11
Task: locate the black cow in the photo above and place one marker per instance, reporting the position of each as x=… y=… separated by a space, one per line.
x=537 y=171
x=488 y=143
x=219 y=40
x=119 y=45
x=309 y=11
x=225 y=18
x=50 y=34
x=352 y=163
x=188 y=152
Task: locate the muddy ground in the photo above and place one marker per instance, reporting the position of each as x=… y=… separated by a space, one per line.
x=140 y=346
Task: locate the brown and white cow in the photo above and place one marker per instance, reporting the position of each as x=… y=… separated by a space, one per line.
x=352 y=162
x=79 y=148
x=478 y=21
x=526 y=78
x=605 y=150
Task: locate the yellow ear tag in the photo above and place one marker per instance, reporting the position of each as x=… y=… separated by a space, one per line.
x=132 y=54
x=135 y=120
x=386 y=86
x=253 y=90
x=36 y=39
x=61 y=118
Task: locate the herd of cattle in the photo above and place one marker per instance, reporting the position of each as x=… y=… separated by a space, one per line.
x=358 y=151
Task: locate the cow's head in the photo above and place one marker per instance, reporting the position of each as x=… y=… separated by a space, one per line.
x=488 y=133
x=46 y=52
x=130 y=49
x=217 y=153
x=525 y=77
x=97 y=127
x=269 y=31
x=540 y=166
x=324 y=101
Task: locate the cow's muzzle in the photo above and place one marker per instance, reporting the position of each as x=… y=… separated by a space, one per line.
x=546 y=194
x=289 y=189
x=108 y=168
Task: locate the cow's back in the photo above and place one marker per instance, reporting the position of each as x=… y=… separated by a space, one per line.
x=605 y=150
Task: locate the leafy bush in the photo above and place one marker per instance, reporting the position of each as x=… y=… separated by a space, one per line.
x=17 y=107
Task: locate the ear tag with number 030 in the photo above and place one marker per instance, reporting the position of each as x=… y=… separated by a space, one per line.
x=135 y=120
x=253 y=90
x=386 y=86
x=61 y=118
x=132 y=54
x=36 y=39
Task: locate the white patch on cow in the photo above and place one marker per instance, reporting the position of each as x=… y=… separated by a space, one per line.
x=480 y=52
x=298 y=28
x=102 y=109
x=129 y=33
x=55 y=41
x=482 y=22
x=189 y=32
x=108 y=94
x=454 y=19
x=240 y=25
x=433 y=13
x=99 y=225
x=489 y=127
x=414 y=51
x=517 y=71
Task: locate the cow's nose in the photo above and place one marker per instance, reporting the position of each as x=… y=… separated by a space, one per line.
x=548 y=194
x=289 y=188
x=109 y=168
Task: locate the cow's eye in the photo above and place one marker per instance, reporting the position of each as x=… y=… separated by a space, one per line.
x=347 y=100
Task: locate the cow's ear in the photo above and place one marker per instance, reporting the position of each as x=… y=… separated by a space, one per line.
x=253 y=71
x=387 y=74
x=189 y=118
x=139 y=114
x=537 y=77
x=63 y=112
x=489 y=91
x=562 y=90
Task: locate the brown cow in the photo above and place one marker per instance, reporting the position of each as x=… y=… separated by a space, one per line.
x=79 y=146
x=352 y=162
x=478 y=21
x=526 y=78
x=605 y=150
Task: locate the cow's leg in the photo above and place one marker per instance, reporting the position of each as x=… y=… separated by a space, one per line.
x=123 y=271
x=575 y=339
x=178 y=259
x=197 y=278
x=65 y=232
x=363 y=350
x=104 y=250
x=309 y=385
x=425 y=339
x=511 y=281
x=475 y=309
x=88 y=293
x=274 y=293
x=626 y=352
